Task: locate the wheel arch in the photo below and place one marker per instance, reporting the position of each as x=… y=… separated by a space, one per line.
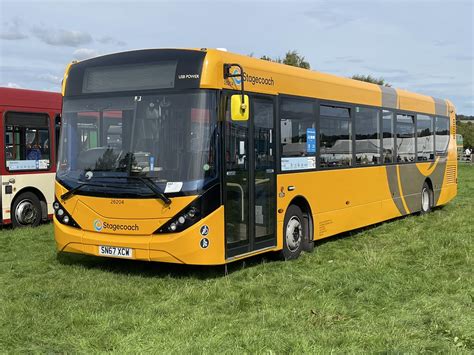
x=430 y=183
x=39 y=194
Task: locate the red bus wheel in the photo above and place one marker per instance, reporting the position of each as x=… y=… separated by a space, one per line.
x=26 y=210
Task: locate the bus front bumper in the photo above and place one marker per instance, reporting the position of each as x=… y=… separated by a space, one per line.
x=186 y=247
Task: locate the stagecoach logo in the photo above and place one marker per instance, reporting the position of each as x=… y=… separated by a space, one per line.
x=236 y=79
x=98 y=225
x=252 y=79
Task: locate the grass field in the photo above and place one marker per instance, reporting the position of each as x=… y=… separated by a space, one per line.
x=402 y=286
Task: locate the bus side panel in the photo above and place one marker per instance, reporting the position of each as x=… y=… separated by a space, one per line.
x=346 y=199
x=342 y=199
x=43 y=182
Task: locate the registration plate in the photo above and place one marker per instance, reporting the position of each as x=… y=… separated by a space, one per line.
x=117 y=252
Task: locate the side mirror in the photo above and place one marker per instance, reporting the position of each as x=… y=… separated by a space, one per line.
x=239 y=110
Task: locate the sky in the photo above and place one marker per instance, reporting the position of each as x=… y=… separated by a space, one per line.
x=425 y=46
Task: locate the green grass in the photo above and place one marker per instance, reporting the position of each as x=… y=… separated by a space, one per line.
x=402 y=286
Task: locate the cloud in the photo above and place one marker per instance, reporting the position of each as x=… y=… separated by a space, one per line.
x=12 y=30
x=111 y=40
x=345 y=59
x=330 y=17
x=441 y=43
x=50 y=78
x=382 y=70
x=463 y=57
x=84 y=53
x=61 y=37
x=11 y=85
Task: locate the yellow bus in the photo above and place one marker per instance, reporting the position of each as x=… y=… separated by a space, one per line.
x=201 y=156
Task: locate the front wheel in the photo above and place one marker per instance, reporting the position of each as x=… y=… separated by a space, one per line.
x=426 y=199
x=26 y=210
x=294 y=233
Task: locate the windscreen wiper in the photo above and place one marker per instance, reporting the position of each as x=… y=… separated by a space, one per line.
x=152 y=186
x=71 y=192
x=148 y=182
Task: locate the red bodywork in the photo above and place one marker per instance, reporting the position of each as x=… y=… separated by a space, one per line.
x=20 y=100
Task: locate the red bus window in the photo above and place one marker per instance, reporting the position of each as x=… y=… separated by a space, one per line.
x=27 y=141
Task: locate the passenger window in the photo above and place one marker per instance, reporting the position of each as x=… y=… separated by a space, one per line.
x=424 y=138
x=442 y=134
x=296 y=118
x=388 y=137
x=367 y=132
x=298 y=134
x=335 y=136
x=27 y=141
x=405 y=138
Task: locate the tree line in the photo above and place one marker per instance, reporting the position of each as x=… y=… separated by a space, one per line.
x=293 y=58
x=466 y=129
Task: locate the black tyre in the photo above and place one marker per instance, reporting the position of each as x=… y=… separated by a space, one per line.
x=294 y=233
x=426 y=199
x=26 y=210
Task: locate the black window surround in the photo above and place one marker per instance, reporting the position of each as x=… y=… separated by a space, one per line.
x=381 y=161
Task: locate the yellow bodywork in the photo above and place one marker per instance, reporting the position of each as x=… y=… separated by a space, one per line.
x=148 y=215
x=340 y=199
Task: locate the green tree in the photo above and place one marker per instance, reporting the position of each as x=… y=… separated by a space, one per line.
x=467 y=131
x=265 y=57
x=295 y=59
x=371 y=79
x=292 y=58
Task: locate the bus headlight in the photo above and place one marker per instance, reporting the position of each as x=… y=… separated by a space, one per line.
x=202 y=206
x=192 y=213
x=62 y=216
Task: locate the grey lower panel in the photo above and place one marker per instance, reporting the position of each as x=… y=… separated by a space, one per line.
x=394 y=190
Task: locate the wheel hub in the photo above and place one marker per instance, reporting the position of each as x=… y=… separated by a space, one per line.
x=294 y=233
x=26 y=212
x=425 y=199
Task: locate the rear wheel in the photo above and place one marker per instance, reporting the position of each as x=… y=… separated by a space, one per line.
x=294 y=233
x=26 y=210
x=426 y=199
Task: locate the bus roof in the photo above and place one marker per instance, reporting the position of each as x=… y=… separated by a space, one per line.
x=269 y=77
x=30 y=98
x=274 y=78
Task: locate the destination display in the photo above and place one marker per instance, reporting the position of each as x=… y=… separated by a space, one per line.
x=16 y=165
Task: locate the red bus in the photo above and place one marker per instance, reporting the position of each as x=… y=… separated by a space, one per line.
x=30 y=126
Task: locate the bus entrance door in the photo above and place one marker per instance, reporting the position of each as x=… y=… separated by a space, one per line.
x=250 y=180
